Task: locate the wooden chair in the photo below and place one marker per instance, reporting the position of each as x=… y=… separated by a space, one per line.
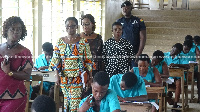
x=159 y=91
x=179 y=72
x=27 y=84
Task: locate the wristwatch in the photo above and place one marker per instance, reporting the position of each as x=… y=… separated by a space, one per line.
x=10 y=73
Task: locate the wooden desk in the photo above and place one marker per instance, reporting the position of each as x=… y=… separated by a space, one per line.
x=159 y=91
x=191 y=72
x=50 y=77
x=133 y=107
x=179 y=72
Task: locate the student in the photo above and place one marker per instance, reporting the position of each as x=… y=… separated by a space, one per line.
x=160 y=64
x=128 y=87
x=195 y=44
x=102 y=99
x=43 y=103
x=117 y=52
x=173 y=59
x=149 y=74
x=186 y=54
x=42 y=63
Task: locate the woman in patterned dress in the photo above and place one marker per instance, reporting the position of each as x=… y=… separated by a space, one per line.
x=71 y=58
x=16 y=66
x=95 y=40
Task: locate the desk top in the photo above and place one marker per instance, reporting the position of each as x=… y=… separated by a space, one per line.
x=48 y=76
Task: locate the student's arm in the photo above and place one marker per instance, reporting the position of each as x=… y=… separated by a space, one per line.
x=85 y=105
x=165 y=71
x=142 y=42
x=158 y=80
x=117 y=110
x=131 y=70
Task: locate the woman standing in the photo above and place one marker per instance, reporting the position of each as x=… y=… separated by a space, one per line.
x=95 y=40
x=16 y=66
x=71 y=58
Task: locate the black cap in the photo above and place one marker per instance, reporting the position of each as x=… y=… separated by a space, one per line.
x=126 y=3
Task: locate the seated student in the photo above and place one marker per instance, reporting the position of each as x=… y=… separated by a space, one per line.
x=43 y=103
x=160 y=64
x=195 y=44
x=186 y=54
x=190 y=56
x=102 y=99
x=42 y=63
x=173 y=59
x=128 y=87
x=149 y=74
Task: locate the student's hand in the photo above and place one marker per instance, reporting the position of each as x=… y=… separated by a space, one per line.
x=172 y=65
x=120 y=99
x=34 y=68
x=146 y=82
x=86 y=105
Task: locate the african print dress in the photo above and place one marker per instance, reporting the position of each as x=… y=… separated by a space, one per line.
x=71 y=60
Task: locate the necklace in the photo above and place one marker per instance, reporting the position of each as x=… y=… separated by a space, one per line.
x=88 y=34
x=11 y=46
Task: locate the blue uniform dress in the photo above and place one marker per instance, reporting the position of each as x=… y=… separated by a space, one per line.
x=194 y=48
x=137 y=90
x=159 y=67
x=190 y=56
x=109 y=103
x=150 y=75
x=41 y=61
x=177 y=60
x=131 y=28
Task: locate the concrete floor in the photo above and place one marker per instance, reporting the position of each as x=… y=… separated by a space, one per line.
x=193 y=107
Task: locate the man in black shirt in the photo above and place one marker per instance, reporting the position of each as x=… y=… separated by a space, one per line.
x=133 y=28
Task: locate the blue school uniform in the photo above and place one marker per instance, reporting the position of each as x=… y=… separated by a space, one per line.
x=137 y=90
x=194 y=48
x=185 y=58
x=109 y=103
x=41 y=61
x=150 y=75
x=168 y=59
x=159 y=67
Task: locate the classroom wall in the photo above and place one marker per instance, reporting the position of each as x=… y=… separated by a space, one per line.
x=112 y=13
